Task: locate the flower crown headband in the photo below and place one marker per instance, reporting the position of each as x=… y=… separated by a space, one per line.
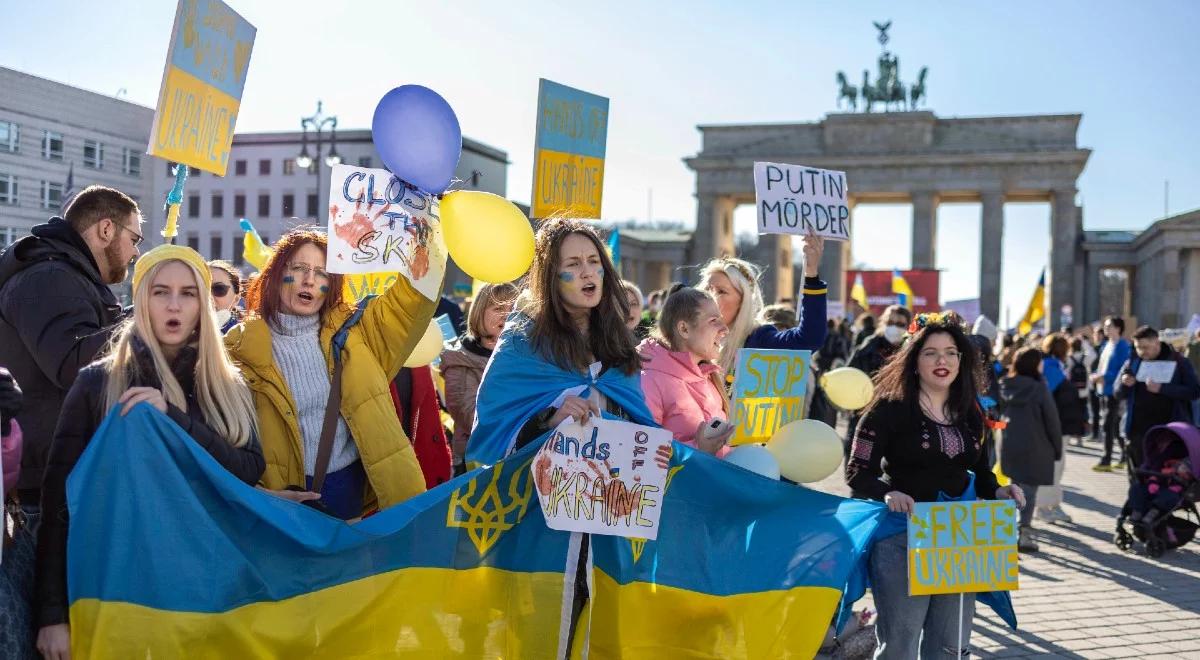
x=935 y=319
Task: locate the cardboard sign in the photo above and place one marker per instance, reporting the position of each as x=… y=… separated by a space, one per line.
x=794 y=199
x=379 y=225
x=962 y=547
x=568 y=152
x=202 y=85
x=602 y=478
x=835 y=309
x=1156 y=371
x=357 y=287
x=768 y=392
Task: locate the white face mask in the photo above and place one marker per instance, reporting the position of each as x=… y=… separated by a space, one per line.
x=893 y=333
x=223 y=317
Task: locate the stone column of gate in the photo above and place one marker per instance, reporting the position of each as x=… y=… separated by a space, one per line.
x=1064 y=234
x=991 y=255
x=924 y=230
x=780 y=270
x=834 y=261
x=714 y=229
x=1169 y=296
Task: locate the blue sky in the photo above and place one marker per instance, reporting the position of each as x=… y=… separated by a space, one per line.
x=1130 y=68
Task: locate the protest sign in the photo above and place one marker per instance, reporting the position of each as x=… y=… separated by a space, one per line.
x=1156 y=371
x=602 y=478
x=201 y=91
x=962 y=547
x=794 y=199
x=377 y=224
x=834 y=309
x=358 y=287
x=568 y=152
x=768 y=392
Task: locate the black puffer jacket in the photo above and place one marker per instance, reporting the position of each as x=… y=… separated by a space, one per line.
x=56 y=314
x=1032 y=440
x=82 y=414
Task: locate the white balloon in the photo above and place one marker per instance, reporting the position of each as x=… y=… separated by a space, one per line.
x=807 y=450
x=755 y=458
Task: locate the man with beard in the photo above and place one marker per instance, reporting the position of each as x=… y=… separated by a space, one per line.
x=56 y=314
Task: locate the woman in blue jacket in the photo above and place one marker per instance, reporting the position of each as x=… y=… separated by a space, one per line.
x=734 y=285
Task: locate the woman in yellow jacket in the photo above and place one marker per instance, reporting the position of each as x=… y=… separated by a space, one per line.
x=285 y=353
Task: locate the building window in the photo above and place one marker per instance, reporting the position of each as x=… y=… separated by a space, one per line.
x=239 y=168
x=10 y=136
x=194 y=242
x=218 y=205
x=131 y=162
x=312 y=205
x=93 y=154
x=170 y=168
x=264 y=167
x=238 y=259
x=265 y=239
x=8 y=189
x=264 y=206
x=364 y=161
x=289 y=205
x=51 y=195
x=289 y=166
x=193 y=206
x=52 y=145
x=214 y=246
x=239 y=206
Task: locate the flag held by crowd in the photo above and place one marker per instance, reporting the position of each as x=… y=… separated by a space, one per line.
x=755 y=567
x=1037 y=306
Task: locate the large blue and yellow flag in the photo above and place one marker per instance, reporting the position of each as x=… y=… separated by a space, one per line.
x=171 y=556
x=1036 y=310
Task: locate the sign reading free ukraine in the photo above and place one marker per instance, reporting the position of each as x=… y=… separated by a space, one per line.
x=202 y=85
x=568 y=152
x=962 y=547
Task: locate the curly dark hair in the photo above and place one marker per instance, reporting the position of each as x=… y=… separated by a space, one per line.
x=898 y=380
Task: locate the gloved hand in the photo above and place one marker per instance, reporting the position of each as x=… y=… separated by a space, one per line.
x=10 y=400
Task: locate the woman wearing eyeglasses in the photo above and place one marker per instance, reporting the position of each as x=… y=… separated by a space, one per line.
x=226 y=293
x=285 y=351
x=922 y=439
x=734 y=285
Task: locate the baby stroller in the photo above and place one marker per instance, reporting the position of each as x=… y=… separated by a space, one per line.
x=1174 y=443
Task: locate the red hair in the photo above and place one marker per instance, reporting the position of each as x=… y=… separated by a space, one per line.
x=262 y=298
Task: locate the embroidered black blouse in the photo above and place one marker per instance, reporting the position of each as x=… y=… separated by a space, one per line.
x=896 y=447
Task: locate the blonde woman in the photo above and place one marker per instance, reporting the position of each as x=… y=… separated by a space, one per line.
x=734 y=285
x=169 y=356
x=462 y=367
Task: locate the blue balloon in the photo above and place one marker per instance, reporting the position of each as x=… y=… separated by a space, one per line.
x=418 y=137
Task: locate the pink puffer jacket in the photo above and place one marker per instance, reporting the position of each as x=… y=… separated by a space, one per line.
x=680 y=393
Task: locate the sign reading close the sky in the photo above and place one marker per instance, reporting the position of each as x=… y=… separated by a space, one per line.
x=794 y=199
x=962 y=547
x=568 y=152
x=602 y=478
x=768 y=392
x=202 y=85
x=379 y=225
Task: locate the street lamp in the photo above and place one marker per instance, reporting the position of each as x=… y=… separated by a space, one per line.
x=318 y=122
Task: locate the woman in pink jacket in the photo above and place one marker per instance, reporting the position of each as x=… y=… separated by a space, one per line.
x=680 y=374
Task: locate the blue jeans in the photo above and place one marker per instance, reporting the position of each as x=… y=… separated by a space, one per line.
x=342 y=493
x=913 y=626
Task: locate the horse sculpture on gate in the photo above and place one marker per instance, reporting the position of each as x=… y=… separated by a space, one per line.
x=917 y=93
x=848 y=92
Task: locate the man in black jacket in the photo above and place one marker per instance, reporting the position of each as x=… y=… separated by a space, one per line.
x=56 y=314
x=1151 y=403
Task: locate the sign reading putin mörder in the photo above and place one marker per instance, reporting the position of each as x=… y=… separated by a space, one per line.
x=568 y=152
x=962 y=547
x=202 y=85
x=794 y=199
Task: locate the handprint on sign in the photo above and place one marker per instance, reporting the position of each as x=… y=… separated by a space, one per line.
x=618 y=500
x=420 y=230
x=360 y=223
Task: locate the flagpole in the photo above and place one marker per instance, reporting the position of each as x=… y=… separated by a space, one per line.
x=961 y=598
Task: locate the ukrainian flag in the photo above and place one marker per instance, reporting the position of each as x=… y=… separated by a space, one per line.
x=614 y=248
x=1037 y=306
x=254 y=251
x=171 y=556
x=900 y=287
x=858 y=293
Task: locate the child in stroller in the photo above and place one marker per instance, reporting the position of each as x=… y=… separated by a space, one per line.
x=1163 y=484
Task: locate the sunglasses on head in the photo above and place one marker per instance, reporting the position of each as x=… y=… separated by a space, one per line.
x=219 y=289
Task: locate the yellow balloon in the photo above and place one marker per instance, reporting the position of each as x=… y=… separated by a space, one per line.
x=807 y=450
x=486 y=235
x=848 y=388
x=428 y=349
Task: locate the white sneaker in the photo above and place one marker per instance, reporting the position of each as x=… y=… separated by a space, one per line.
x=1053 y=514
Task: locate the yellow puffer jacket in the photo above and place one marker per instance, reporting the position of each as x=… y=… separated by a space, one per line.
x=375 y=350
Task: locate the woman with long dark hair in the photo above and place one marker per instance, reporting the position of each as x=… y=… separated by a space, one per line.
x=922 y=439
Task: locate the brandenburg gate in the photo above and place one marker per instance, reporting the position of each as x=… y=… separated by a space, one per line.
x=908 y=157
